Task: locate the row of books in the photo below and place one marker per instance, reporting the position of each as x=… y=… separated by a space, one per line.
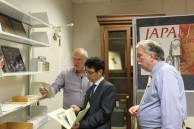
x=10 y=25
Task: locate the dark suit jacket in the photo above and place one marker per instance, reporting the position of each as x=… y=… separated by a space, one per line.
x=102 y=103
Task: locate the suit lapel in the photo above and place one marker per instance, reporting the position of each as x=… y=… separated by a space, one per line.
x=98 y=89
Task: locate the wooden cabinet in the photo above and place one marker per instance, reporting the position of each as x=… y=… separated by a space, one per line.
x=116 y=46
x=116 y=36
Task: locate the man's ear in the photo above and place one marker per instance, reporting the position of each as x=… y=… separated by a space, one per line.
x=152 y=58
x=100 y=71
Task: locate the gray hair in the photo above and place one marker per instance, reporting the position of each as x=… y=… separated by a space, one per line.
x=154 y=47
x=82 y=50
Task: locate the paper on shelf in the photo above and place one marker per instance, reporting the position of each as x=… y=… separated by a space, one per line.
x=9 y=106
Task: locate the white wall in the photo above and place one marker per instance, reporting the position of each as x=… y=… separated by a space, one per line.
x=60 y=12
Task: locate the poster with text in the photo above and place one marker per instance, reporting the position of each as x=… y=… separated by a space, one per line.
x=176 y=35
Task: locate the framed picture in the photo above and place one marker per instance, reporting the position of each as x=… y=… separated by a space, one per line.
x=13 y=59
x=5 y=24
x=114 y=60
x=18 y=28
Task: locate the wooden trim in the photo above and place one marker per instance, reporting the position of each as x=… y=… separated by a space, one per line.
x=121 y=19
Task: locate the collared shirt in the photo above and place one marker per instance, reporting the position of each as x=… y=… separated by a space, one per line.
x=98 y=82
x=164 y=103
x=74 y=87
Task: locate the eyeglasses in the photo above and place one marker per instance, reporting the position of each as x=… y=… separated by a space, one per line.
x=78 y=59
x=88 y=73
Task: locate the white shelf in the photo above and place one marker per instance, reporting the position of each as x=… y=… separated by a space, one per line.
x=23 y=105
x=21 y=40
x=38 y=116
x=12 y=11
x=38 y=121
x=37 y=39
x=21 y=73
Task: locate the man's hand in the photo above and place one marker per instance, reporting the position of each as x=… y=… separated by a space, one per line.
x=133 y=110
x=43 y=91
x=76 y=126
x=75 y=108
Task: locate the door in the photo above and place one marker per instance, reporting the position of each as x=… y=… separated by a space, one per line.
x=116 y=51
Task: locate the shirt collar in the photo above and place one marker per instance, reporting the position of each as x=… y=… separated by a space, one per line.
x=157 y=67
x=76 y=73
x=98 y=82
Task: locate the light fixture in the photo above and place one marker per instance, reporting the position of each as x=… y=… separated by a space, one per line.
x=57 y=31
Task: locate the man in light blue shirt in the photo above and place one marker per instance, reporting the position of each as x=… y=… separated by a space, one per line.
x=163 y=105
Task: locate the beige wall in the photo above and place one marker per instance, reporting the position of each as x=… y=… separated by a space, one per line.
x=87 y=30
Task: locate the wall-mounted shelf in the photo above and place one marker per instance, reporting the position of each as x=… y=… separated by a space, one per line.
x=21 y=40
x=19 y=106
x=32 y=39
x=22 y=73
x=38 y=121
x=12 y=11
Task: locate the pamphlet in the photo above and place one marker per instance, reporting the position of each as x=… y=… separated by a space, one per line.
x=67 y=118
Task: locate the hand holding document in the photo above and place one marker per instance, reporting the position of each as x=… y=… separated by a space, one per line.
x=36 y=87
x=67 y=118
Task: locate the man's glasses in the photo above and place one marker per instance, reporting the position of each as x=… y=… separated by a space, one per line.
x=77 y=59
x=88 y=73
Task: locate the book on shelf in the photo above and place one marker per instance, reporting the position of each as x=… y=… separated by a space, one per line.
x=5 y=24
x=13 y=26
x=18 y=28
x=13 y=61
x=36 y=64
x=68 y=118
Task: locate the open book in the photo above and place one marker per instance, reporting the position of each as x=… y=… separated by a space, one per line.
x=67 y=118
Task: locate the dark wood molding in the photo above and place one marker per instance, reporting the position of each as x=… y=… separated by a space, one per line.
x=121 y=19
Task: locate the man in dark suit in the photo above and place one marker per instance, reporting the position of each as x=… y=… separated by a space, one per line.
x=101 y=96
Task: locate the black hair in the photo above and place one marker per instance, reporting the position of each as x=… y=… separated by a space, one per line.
x=96 y=63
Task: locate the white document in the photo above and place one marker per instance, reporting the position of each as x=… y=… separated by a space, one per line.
x=67 y=118
x=82 y=113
